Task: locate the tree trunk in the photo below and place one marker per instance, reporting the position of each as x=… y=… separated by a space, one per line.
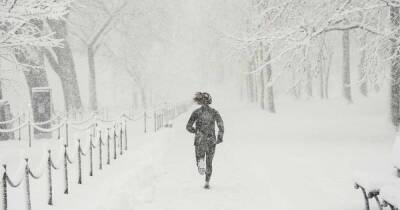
x=34 y=72
x=262 y=91
x=321 y=70
x=362 y=69
x=346 y=67
x=92 y=80
x=326 y=86
x=395 y=67
x=32 y=59
x=64 y=66
x=321 y=84
x=309 y=80
x=255 y=79
x=257 y=76
x=270 y=87
x=144 y=97
x=327 y=74
x=309 y=83
x=250 y=82
x=262 y=79
x=1 y=90
x=296 y=86
x=135 y=104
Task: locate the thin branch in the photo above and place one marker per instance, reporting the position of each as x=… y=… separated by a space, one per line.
x=106 y=24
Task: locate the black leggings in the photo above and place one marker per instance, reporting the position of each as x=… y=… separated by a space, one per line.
x=206 y=150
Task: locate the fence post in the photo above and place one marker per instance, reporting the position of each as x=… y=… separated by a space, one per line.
x=100 y=153
x=91 y=155
x=49 y=179
x=108 y=146
x=65 y=170
x=27 y=186
x=4 y=185
x=159 y=120
x=126 y=136
x=79 y=162
x=115 y=143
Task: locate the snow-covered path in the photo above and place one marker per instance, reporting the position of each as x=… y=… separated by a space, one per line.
x=282 y=162
x=237 y=182
x=278 y=162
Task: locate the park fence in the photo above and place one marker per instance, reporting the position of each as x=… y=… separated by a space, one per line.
x=61 y=126
x=111 y=139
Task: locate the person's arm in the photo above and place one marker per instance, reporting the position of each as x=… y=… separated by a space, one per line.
x=220 y=124
x=192 y=120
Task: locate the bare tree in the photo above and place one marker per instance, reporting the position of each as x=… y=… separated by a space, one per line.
x=362 y=67
x=395 y=65
x=346 y=67
x=100 y=16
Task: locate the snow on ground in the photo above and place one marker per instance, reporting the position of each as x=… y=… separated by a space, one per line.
x=304 y=157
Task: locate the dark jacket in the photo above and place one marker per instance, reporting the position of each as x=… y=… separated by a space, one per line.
x=204 y=119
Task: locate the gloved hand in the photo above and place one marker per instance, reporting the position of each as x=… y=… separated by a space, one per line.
x=219 y=139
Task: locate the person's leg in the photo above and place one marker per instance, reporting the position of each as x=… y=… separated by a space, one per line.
x=200 y=155
x=209 y=159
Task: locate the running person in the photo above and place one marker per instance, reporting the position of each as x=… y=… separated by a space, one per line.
x=205 y=140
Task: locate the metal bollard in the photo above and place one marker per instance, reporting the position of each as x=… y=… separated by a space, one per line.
x=79 y=162
x=108 y=146
x=91 y=155
x=4 y=184
x=120 y=141
x=100 y=153
x=126 y=136
x=115 y=143
x=49 y=179
x=65 y=170
x=27 y=186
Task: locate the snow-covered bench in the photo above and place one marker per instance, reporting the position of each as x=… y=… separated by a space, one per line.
x=383 y=183
x=390 y=195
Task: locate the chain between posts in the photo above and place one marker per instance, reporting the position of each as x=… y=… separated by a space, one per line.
x=122 y=133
